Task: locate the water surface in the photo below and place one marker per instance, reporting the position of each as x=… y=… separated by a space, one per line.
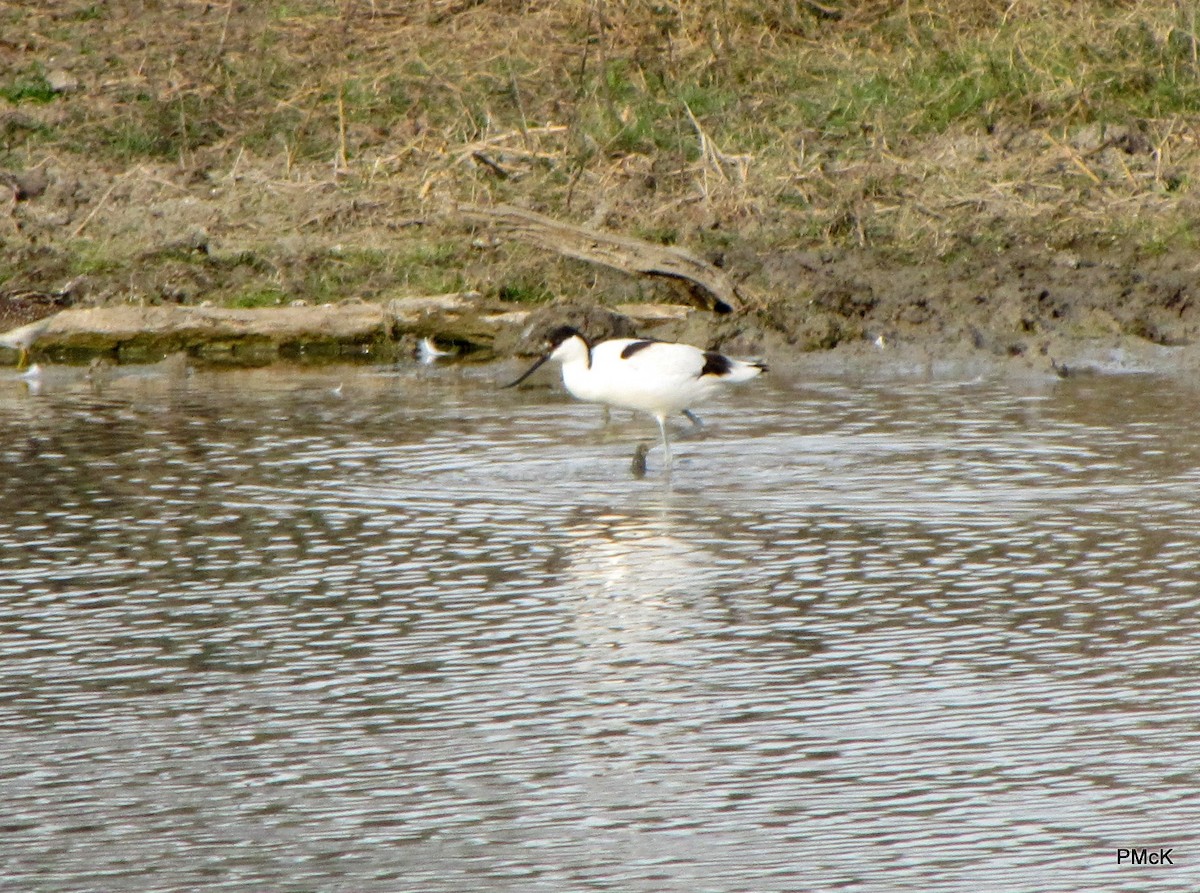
x=394 y=630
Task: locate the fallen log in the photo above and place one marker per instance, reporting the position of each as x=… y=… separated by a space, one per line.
x=138 y=334
x=708 y=286
x=383 y=330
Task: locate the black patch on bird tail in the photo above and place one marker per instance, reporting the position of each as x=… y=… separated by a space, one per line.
x=716 y=364
x=630 y=349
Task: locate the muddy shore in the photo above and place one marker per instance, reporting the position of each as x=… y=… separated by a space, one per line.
x=1050 y=311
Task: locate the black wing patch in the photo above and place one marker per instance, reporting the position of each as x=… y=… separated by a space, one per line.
x=630 y=349
x=715 y=364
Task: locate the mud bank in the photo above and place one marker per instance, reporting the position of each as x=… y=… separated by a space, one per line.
x=1051 y=311
x=467 y=332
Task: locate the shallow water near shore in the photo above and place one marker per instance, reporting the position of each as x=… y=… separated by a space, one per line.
x=396 y=630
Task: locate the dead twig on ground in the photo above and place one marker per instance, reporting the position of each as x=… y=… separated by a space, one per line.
x=714 y=159
x=103 y=199
x=1074 y=157
x=707 y=284
x=491 y=164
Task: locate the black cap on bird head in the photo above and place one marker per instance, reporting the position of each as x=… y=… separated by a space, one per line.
x=562 y=333
x=553 y=340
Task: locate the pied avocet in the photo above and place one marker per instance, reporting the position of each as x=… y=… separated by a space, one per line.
x=659 y=377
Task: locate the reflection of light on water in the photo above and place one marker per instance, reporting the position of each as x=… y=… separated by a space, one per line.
x=641 y=598
x=638 y=579
x=632 y=558
x=637 y=554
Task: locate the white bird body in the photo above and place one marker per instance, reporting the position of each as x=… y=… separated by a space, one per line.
x=658 y=377
x=661 y=378
x=21 y=339
x=428 y=352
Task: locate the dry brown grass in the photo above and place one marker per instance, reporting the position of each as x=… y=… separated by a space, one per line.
x=737 y=128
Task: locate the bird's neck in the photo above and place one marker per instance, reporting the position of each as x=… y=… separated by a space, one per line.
x=579 y=378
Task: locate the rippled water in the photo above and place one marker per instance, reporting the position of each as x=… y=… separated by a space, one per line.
x=421 y=635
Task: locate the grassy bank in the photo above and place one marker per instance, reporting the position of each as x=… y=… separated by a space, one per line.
x=257 y=153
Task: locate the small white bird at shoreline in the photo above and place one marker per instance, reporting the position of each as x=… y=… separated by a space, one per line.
x=659 y=377
x=428 y=352
x=21 y=339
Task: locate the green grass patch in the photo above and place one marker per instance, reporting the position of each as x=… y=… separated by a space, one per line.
x=361 y=273
x=904 y=78
x=429 y=267
x=296 y=9
x=525 y=291
x=258 y=296
x=661 y=234
x=93 y=259
x=31 y=87
x=17 y=130
x=1156 y=237
x=149 y=128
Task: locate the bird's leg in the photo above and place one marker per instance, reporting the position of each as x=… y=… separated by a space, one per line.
x=638 y=465
x=693 y=418
x=662 y=426
x=22 y=358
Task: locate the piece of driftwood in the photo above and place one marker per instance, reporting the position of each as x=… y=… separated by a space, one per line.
x=137 y=331
x=708 y=285
x=136 y=334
